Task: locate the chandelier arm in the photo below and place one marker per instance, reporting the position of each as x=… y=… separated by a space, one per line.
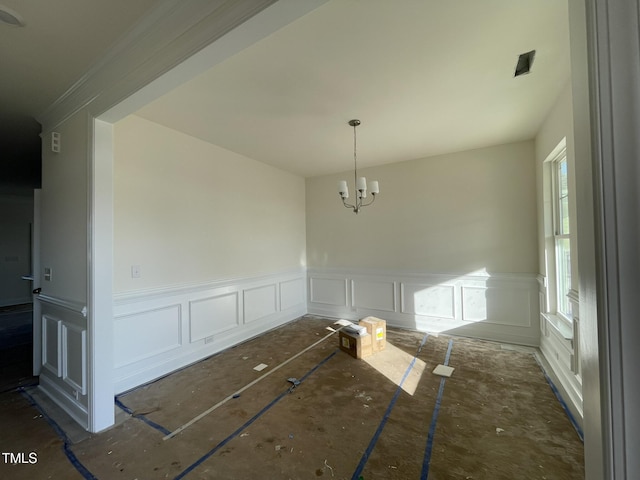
x=372 y=200
x=348 y=205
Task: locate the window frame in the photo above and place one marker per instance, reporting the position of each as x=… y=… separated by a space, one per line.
x=560 y=234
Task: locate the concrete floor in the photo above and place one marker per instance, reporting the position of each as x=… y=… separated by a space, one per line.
x=495 y=418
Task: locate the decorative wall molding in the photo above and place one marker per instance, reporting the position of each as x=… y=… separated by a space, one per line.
x=51 y=344
x=259 y=302
x=212 y=315
x=291 y=291
x=429 y=300
x=147 y=333
x=65 y=357
x=380 y=295
x=500 y=307
x=74 y=357
x=72 y=305
x=574 y=298
x=329 y=291
x=558 y=344
x=542 y=295
x=187 y=323
x=560 y=358
x=152 y=294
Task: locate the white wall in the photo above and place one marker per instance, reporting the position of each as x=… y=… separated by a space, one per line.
x=220 y=242
x=64 y=211
x=449 y=245
x=63 y=249
x=557 y=125
x=16 y=218
x=189 y=212
x=77 y=197
x=456 y=213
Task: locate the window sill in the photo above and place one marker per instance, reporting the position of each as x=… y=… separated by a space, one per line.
x=560 y=325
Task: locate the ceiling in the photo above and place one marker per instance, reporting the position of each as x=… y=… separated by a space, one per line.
x=59 y=42
x=425 y=77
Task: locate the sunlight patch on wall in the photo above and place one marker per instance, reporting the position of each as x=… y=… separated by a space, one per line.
x=453 y=302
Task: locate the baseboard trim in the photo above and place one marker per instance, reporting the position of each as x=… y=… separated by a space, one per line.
x=75 y=410
x=568 y=399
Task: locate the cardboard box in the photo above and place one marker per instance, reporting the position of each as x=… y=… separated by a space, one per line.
x=358 y=346
x=377 y=328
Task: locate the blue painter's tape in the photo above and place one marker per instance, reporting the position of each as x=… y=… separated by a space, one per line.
x=84 y=471
x=434 y=418
x=211 y=452
x=151 y=423
x=387 y=413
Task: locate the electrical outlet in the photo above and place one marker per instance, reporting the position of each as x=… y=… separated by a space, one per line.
x=135 y=271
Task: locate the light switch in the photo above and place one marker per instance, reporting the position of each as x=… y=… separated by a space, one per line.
x=55 y=142
x=135 y=271
x=48 y=274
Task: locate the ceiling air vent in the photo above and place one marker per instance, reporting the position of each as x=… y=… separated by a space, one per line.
x=525 y=61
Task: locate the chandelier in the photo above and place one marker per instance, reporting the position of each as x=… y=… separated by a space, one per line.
x=360 y=183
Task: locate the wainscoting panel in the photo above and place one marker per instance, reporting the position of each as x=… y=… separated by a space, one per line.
x=146 y=334
x=209 y=317
x=374 y=294
x=293 y=294
x=260 y=302
x=495 y=305
x=501 y=307
x=428 y=300
x=560 y=346
x=64 y=354
x=51 y=344
x=74 y=357
x=328 y=291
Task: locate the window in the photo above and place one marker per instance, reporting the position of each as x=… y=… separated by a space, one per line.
x=557 y=232
x=561 y=239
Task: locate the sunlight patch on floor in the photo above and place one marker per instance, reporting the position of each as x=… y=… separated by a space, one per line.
x=392 y=362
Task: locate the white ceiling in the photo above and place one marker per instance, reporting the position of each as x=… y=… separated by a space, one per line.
x=425 y=77
x=60 y=41
x=40 y=61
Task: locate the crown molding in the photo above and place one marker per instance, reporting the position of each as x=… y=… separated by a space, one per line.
x=170 y=33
